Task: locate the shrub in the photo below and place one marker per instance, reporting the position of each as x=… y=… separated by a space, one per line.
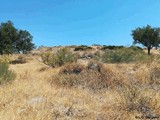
x=61 y=57
x=94 y=76
x=82 y=48
x=49 y=59
x=135 y=48
x=6 y=75
x=134 y=98
x=72 y=69
x=111 y=47
x=45 y=57
x=124 y=55
x=65 y=56
x=98 y=56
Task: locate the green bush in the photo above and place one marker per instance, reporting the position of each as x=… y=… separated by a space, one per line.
x=48 y=58
x=135 y=48
x=58 y=59
x=124 y=55
x=111 y=47
x=6 y=75
x=82 y=48
x=65 y=56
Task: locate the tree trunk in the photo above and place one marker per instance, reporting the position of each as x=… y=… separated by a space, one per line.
x=1 y=52
x=149 y=48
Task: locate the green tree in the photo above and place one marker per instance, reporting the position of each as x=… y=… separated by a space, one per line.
x=13 y=40
x=24 y=42
x=8 y=37
x=148 y=36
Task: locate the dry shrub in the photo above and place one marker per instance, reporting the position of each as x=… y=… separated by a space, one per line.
x=72 y=69
x=148 y=74
x=138 y=98
x=94 y=76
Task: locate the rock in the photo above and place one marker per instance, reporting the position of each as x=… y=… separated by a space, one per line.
x=36 y=100
x=94 y=66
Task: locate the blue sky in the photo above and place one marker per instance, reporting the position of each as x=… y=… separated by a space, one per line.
x=76 y=22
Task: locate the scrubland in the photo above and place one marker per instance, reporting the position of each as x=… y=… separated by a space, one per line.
x=89 y=84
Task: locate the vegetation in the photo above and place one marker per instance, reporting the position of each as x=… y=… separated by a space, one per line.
x=6 y=75
x=111 y=47
x=82 y=48
x=155 y=75
x=135 y=99
x=148 y=36
x=13 y=40
x=5 y=59
x=125 y=55
x=94 y=76
x=83 y=89
x=135 y=48
x=58 y=59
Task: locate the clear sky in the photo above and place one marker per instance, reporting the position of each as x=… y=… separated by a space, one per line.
x=76 y=22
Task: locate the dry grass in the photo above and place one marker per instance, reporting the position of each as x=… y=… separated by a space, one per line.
x=32 y=97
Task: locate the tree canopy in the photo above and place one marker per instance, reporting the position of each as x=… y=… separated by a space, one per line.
x=148 y=36
x=13 y=40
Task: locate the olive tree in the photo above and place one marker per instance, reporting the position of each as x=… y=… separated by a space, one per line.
x=147 y=36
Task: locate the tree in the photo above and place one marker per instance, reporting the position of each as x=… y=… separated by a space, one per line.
x=24 y=42
x=13 y=40
x=148 y=36
x=8 y=36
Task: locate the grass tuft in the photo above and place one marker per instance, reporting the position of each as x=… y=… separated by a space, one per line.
x=6 y=75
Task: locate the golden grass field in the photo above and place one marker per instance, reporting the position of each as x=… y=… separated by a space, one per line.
x=31 y=96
